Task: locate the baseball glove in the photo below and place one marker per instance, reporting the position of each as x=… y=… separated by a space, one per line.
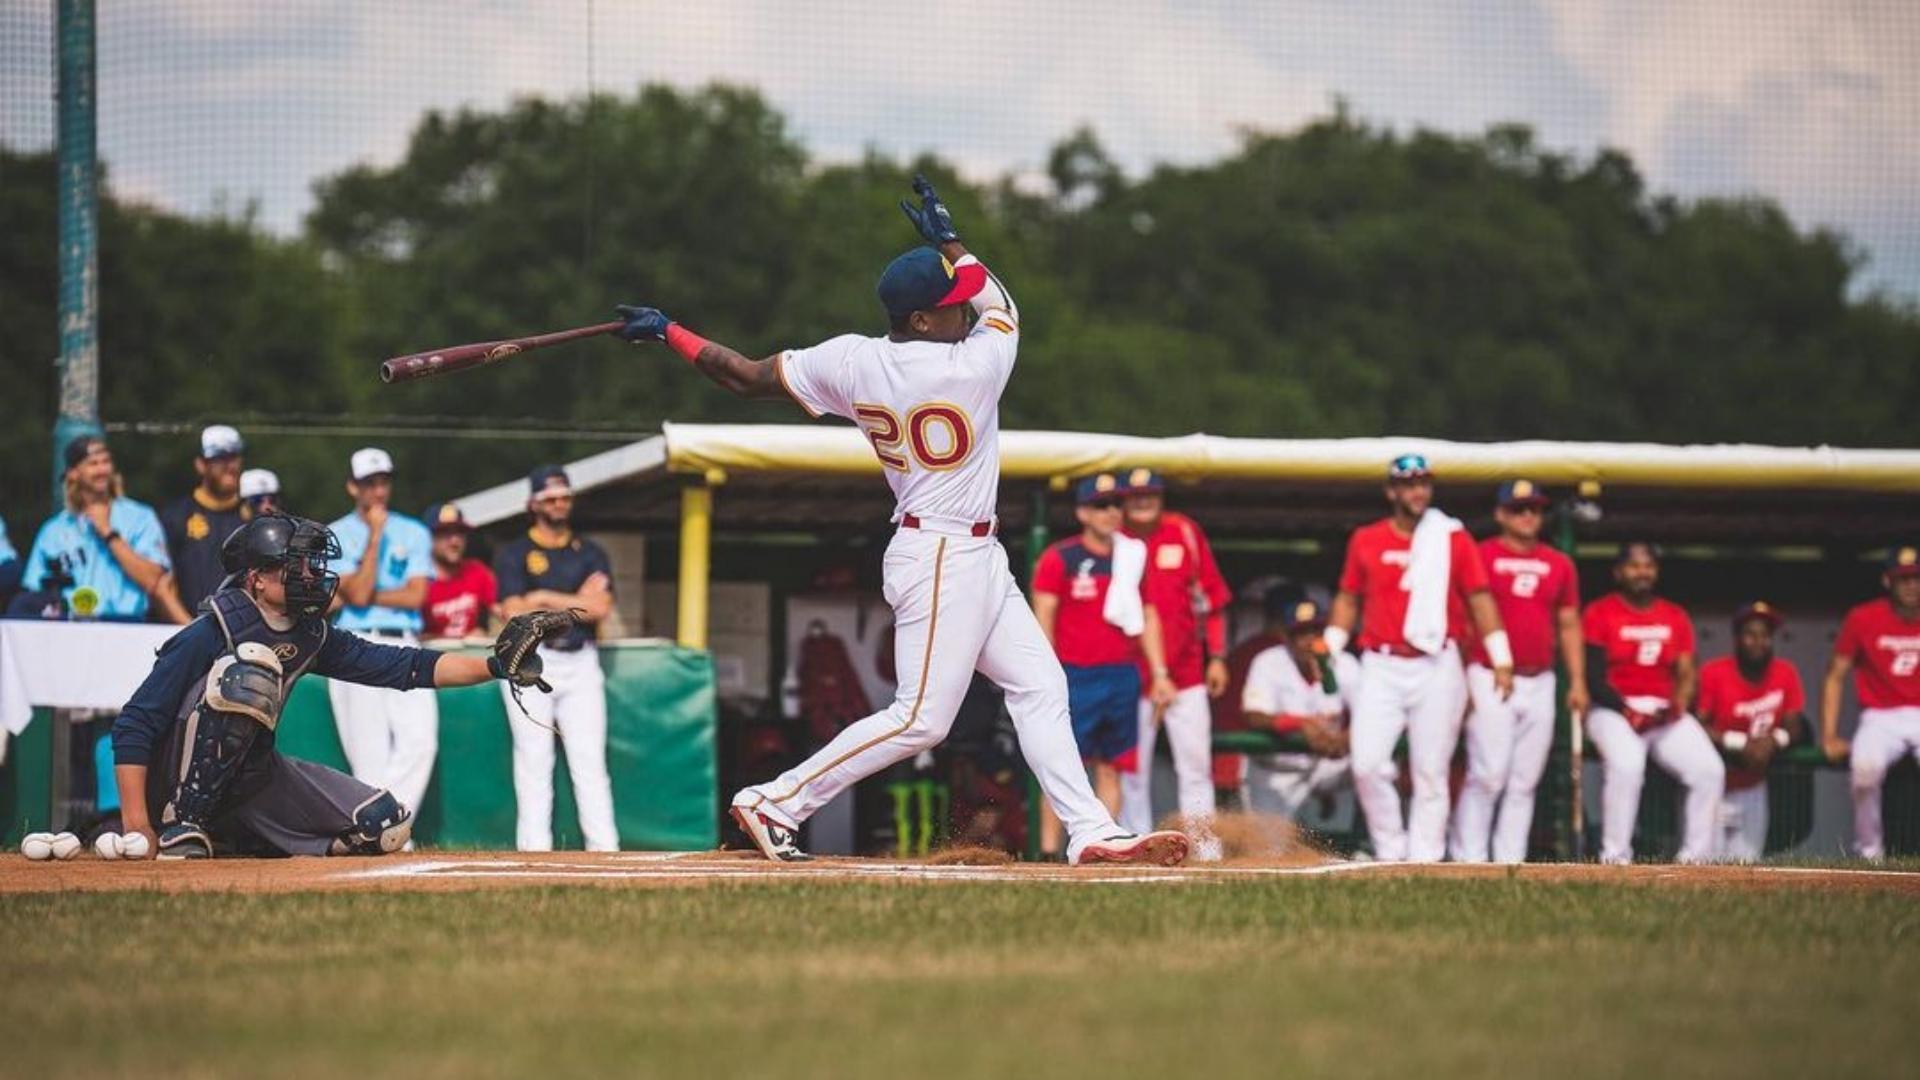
x=514 y=658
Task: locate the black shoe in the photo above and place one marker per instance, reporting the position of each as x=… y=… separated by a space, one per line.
x=185 y=841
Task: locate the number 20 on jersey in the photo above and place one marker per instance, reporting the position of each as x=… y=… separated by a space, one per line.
x=936 y=435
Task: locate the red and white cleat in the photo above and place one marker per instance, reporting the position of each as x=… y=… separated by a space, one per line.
x=1164 y=848
x=774 y=840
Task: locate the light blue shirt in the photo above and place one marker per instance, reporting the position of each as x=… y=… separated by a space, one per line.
x=68 y=537
x=6 y=546
x=406 y=552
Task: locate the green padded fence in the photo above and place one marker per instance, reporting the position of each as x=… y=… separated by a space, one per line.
x=660 y=751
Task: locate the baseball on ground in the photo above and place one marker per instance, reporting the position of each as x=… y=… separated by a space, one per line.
x=37 y=846
x=113 y=845
x=65 y=846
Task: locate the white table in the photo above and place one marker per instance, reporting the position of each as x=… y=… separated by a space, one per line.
x=72 y=665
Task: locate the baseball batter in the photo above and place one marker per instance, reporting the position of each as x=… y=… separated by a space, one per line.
x=197 y=738
x=1753 y=704
x=1414 y=584
x=1640 y=663
x=1508 y=738
x=1185 y=586
x=927 y=396
x=1880 y=644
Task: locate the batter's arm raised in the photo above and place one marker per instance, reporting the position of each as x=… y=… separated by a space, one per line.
x=734 y=371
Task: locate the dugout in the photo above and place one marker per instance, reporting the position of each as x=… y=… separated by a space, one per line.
x=733 y=525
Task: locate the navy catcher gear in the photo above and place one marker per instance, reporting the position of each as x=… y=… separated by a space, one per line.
x=248 y=683
x=380 y=826
x=304 y=548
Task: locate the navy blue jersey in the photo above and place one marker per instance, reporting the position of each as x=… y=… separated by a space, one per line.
x=179 y=674
x=523 y=566
x=195 y=532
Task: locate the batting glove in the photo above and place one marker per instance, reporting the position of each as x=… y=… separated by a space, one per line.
x=931 y=216
x=643 y=323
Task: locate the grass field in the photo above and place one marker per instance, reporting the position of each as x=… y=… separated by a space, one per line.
x=1307 y=977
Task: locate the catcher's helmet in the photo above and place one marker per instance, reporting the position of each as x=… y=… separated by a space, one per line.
x=303 y=547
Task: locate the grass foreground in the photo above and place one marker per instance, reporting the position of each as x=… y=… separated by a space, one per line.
x=1315 y=977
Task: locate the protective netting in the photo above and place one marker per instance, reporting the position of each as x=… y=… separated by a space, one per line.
x=215 y=106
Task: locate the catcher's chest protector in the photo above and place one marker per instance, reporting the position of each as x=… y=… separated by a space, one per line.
x=240 y=621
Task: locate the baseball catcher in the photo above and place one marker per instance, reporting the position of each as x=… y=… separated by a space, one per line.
x=197 y=738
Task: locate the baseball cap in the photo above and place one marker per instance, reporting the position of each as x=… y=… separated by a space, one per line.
x=1409 y=467
x=1759 y=609
x=1904 y=559
x=81 y=447
x=1305 y=613
x=923 y=279
x=1094 y=488
x=1143 y=481
x=1520 y=493
x=257 y=482
x=446 y=517
x=219 y=441
x=548 y=480
x=371 y=461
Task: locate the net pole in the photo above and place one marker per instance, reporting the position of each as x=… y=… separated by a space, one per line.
x=75 y=164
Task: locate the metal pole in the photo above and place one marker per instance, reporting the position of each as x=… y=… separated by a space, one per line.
x=79 y=363
x=696 y=538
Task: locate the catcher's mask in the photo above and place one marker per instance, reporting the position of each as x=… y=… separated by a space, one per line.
x=304 y=548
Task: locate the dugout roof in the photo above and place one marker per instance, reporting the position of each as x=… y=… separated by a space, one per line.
x=824 y=480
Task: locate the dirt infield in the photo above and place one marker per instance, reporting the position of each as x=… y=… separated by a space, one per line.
x=466 y=871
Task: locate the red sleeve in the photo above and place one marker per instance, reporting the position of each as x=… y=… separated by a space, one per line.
x=1569 y=587
x=1847 y=644
x=1796 y=698
x=1214 y=584
x=1469 y=573
x=1049 y=574
x=1683 y=631
x=1352 y=573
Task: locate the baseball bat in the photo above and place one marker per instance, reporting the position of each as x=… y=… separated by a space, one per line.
x=422 y=365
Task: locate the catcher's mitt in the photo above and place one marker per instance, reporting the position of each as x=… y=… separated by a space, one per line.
x=514 y=658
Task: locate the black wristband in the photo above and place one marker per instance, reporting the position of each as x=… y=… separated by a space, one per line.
x=111 y=537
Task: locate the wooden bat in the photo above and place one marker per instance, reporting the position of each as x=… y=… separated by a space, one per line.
x=422 y=365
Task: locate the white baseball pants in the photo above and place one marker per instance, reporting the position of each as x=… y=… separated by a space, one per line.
x=1683 y=748
x=1507 y=746
x=1189 y=727
x=1425 y=697
x=1883 y=738
x=577 y=708
x=390 y=736
x=1283 y=783
x=956 y=609
x=1742 y=832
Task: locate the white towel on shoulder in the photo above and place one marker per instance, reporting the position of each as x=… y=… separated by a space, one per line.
x=1123 y=607
x=1429 y=573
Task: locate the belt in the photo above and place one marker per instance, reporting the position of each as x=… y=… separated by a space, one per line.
x=1532 y=671
x=978 y=528
x=1405 y=652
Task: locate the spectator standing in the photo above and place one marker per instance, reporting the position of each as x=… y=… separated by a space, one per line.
x=1186 y=590
x=198 y=522
x=1508 y=738
x=1640 y=664
x=107 y=552
x=1087 y=597
x=1300 y=687
x=1753 y=705
x=1880 y=644
x=260 y=490
x=461 y=596
x=552 y=567
x=390 y=736
x=1414 y=585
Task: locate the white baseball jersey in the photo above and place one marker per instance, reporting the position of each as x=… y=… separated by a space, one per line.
x=1276 y=687
x=931 y=410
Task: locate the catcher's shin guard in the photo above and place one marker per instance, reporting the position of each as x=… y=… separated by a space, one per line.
x=216 y=748
x=380 y=826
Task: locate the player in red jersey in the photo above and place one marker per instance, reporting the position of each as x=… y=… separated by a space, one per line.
x=462 y=592
x=1183 y=584
x=1753 y=704
x=1538 y=593
x=1880 y=643
x=1100 y=638
x=1641 y=670
x=1415 y=587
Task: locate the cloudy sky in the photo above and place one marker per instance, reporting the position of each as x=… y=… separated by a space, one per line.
x=1814 y=103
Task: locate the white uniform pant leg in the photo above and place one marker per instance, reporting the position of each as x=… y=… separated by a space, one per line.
x=414 y=718
x=1534 y=710
x=1743 y=824
x=1020 y=660
x=1189 y=726
x=532 y=768
x=580 y=712
x=1379 y=716
x=1136 y=787
x=944 y=598
x=360 y=717
x=1625 y=755
x=1490 y=741
x=1686 y=751
x=1884 y=736
x=1433 y=734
